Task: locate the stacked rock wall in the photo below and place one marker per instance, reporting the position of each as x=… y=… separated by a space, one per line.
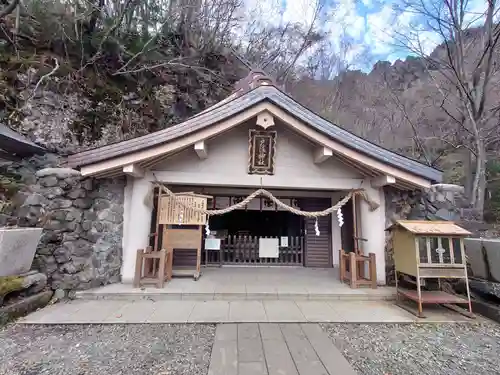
x=81 y=245
x=440 y=202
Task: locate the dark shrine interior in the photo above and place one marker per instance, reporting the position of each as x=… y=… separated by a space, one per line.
x=258 y=223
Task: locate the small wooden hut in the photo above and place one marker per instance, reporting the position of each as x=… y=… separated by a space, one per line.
x=425 y=251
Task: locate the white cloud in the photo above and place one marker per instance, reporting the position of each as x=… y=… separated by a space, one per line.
x=394 y=34
x=299 y=11
x=256 y=11
x=354 y=56
x=379 y=31
x=427 y=41
x=476 y=12
x=346 y=20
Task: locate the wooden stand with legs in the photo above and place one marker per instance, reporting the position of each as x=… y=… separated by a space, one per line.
x=352 y=267
x=352 y=264
x=180 y=241
x=426 y=252
x=146 y=273
x=180 y=229
x=153 y=266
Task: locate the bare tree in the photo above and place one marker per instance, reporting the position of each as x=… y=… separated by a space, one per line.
x=417 y=138
x=281 y=49
x=323 y=81
x=8 y=8
x=466 y=65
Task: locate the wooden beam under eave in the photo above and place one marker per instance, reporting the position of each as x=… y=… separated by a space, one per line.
x=384 y=180
x=201 y=149
x=254 y=181
x=133 y=170
x=321 y=154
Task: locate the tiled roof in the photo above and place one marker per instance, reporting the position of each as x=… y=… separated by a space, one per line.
x=14 y=144
x=437 y=228
x=249 y=92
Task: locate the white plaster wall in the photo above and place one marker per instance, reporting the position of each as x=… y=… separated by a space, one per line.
x=127 y=201
x=227 y=162
x=373 y=228
x=137 y=223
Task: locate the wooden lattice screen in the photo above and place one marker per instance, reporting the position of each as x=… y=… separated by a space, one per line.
x=173 y=213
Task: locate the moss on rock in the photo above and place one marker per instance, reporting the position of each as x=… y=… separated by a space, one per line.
x=10 y=284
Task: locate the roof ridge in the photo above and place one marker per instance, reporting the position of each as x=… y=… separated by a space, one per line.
x=341 y=128
x=245 y=101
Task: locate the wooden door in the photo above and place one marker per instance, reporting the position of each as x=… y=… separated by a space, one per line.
x=318 y=249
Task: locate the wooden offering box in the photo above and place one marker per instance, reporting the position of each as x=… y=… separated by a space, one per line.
x=429 y=250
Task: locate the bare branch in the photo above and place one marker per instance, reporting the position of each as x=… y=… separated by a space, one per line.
x=43 y=78
x=9 y=8
x=416 y=136
x=164 y=64
x=151 y=40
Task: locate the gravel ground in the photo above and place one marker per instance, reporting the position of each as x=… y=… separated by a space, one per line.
x=153 y=349
x=441 y=349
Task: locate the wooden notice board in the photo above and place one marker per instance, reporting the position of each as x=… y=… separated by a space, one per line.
x=173 y=213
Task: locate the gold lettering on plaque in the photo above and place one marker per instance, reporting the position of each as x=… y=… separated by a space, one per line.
x=262 y=151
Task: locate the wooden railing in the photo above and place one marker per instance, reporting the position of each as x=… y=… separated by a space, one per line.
x=244 y=250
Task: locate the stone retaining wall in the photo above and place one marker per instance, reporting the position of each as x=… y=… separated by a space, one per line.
x=440 y=202
x=23 y=173
x=81 y=246
x=484 y=258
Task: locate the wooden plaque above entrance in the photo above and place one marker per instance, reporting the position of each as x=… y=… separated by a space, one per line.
x=262 y=151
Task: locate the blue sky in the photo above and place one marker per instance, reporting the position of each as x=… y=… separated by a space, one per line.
x=371 y=26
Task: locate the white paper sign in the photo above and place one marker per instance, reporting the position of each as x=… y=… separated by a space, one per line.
x=212 y=243
x=284 y=241
x=268 y=247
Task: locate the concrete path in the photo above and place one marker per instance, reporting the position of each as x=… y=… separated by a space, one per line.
x=275 y=349
x=272 y=311
x=250 y=283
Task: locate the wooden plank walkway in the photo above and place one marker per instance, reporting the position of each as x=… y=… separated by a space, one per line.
x=275 y=349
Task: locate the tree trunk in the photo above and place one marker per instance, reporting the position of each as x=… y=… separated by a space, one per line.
x=468 y=173
x=479 y=186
